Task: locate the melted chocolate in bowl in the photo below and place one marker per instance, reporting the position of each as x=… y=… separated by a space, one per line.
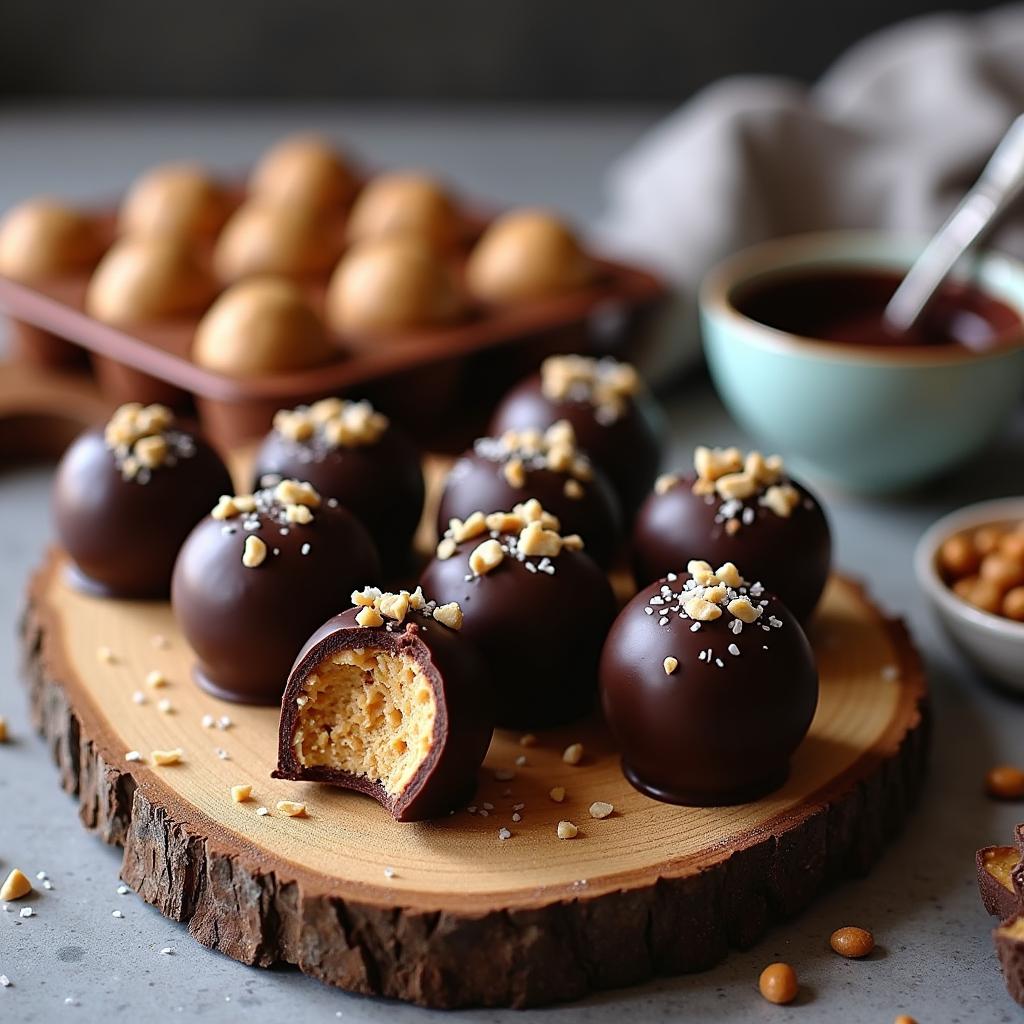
x=847 y=306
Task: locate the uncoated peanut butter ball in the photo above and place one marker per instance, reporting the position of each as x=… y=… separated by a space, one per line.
x=304 y=171
x=42 y=238
x=403 y=203
x=526 y=255
x=258 y=326
x=391 y=284
x=142 y=280
x=178 y=200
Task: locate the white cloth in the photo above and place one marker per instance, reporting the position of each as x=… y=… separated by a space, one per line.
x=891 y=137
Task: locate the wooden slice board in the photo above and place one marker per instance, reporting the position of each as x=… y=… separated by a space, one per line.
x=446 y=913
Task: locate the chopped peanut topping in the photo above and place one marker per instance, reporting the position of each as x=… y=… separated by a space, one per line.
x=241 y=793
x=366 y=597
x=665 y=483
x=485 y=557
x=515 y=473
x=729 y=575
x=298 y=514
x=738 y=486
x=573 y=753
x=151 y=451
x=535 y=540
x=702 y=611
x=449 y=615
x=712 y=463
x=445 y=548
x=600 y=809
x=255 y=552
x=744 y=610
x=605 y=383
x=291 y=808
x=573 y=490
x=781 y=499
x=670 y=664
x=394 y=606
x=369 y=617
x=332 y=422
x=297 y=492
x=474 y=525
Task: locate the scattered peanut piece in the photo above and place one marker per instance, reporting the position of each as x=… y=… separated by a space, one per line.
x=573 y=753
x=156 y=678
x=528 y=740
x=600 y=809
x=567 y=830
x=670 y=664
x=292 y=808
x=162 y=758
x=3 y=729
x=106 y=655
x=165 y=706
x=778 y=984
x=852 y=942
x=15 y=886
x=241 y=793
x=557 y=793
x=1005 y=782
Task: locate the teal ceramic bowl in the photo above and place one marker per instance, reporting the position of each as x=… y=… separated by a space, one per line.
x=861 y=418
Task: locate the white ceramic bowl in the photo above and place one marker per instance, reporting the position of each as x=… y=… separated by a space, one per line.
x=993 y=643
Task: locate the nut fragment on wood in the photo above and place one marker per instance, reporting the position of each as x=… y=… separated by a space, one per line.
x=291 y=808
x=567 y=830
x=573 y=753
x=162 y=758
x=241 y=793
x=601 y=809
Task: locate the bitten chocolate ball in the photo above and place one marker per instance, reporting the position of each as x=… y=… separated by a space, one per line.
x=256 y=577
x=126 y=497
x=304 y=171
x=42 y=239
x=263 y=238
x=178 y=201
x=391 y=700
x=261 y=325
x=142 y=280
x=738 y=509
x=616 y=421
x=403 y=203
x=536 y=606
x=349 y=451
x=708 y=685
x=499 y=472
x=391 y=284
x=526 y=255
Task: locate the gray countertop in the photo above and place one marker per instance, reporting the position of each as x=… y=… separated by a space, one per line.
x=935 y=958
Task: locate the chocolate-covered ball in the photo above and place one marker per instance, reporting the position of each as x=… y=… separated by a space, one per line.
x=263 y=238
x=177 y=201
x=526 y=255
x=142 y=280
x=499 y=472
x=403 y=203
x=304 y=171
x=616 y=421
x=42 y=239
x=259 y=326
x=389 y=699
x=535 y=604
x=391 y=284
x=708 y=685
x=349 y=451
x=746 y=510
x=256 y=577
x=126 y=497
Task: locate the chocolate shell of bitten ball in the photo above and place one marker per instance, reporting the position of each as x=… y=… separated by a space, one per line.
x=539 y=632
x=589 y=508
x=263 y=238
x=179 y=201
x=42 y=238
x=259 y=326
x=709 y=716
x=793 y=552
x=627 y=447
x=403 y=203
x=390 y=284
x=304 y=171
x=142 y=280
x=123 y=533
x=526 y=255
x=247 y=622
x=380 y=483
x=432 y=730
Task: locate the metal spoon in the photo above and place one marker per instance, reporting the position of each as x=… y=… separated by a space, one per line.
x=1000 y=183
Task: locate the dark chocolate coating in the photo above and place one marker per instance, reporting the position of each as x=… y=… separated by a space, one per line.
x=540 y=635
x=628 y=450
x=381 y=484
x=464 y=723
x=790 y=555
x=122 y=535
x=476 y=483
x=999 y=900
x=1011 y=957
x=706 y=735
x=246 y=625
